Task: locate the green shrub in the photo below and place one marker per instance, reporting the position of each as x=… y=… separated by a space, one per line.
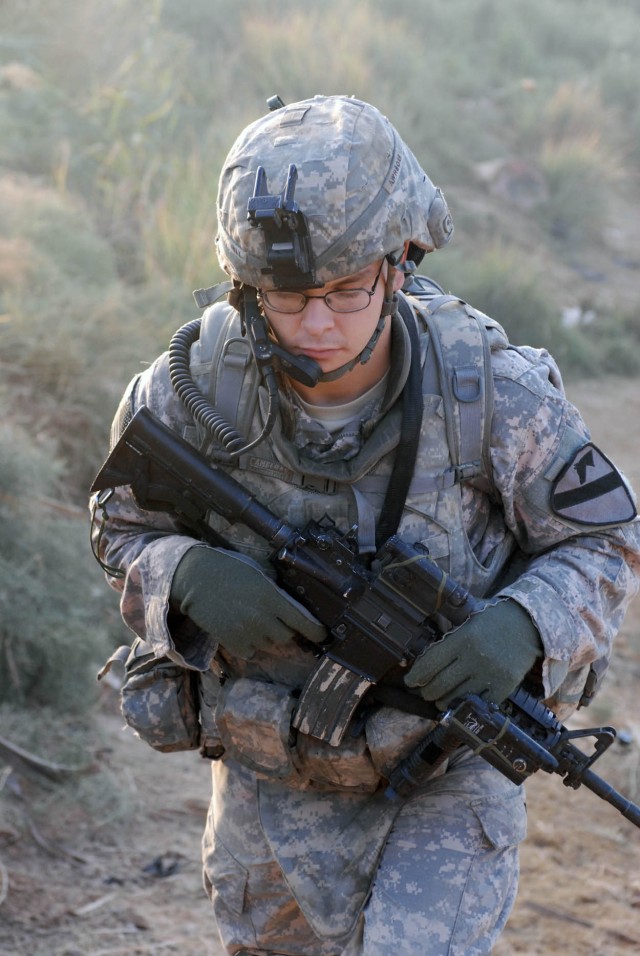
x=504 y=285
x=52 y=629
x=178 y=228
x=581 y=163
x=616 y=341
x=71 y=335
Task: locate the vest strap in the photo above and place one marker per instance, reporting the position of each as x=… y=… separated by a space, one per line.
x=235 y=358
x=457 y=367
x=466 y=388
x=366 y=522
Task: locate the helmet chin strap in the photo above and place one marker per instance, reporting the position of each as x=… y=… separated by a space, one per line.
x=389 y=306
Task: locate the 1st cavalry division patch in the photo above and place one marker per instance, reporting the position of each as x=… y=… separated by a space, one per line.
x=590 y=490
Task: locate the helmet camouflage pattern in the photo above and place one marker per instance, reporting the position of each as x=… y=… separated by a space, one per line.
x=359 y=186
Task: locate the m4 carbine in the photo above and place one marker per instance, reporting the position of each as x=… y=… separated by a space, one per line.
x=378 y=618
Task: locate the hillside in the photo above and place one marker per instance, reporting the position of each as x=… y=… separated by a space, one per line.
x=115 y=118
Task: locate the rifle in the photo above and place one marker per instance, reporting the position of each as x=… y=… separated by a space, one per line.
x=378 y=618
x=519 y=738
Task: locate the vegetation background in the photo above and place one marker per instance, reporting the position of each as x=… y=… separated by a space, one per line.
x=115 y=117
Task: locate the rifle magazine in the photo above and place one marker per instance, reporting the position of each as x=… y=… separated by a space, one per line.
x=328 y=701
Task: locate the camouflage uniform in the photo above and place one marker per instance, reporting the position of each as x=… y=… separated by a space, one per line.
x=302 y=852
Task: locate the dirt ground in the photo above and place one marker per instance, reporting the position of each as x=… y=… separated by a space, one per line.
x=127 y=881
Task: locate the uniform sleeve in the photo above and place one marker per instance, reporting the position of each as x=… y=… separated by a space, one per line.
x=142 y=549
x=571 y=512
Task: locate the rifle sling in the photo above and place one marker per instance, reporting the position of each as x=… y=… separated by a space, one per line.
x=407 y=450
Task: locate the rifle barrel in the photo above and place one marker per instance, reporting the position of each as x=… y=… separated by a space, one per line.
x=605 y=791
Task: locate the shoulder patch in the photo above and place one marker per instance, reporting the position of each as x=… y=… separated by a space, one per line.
x=591 y=491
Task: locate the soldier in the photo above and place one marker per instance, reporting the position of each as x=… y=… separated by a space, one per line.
x=356 y=391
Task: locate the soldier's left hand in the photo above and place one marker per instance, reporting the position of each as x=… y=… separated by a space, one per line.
x=489 y=655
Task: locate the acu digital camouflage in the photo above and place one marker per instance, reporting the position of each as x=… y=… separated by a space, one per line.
x=359 y=185
x=296 y=865
x=360 y=875
x=158 y=698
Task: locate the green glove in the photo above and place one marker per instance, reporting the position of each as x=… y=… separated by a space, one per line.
x=231 y=597
x=488 y=655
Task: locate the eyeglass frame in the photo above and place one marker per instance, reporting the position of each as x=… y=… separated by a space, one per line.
x=264 y=295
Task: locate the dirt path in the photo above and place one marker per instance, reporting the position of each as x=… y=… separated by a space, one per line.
x=127 y=883
x=101 y=888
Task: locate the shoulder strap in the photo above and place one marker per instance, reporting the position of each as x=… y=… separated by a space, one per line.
x=458 y=366
x=463 y=360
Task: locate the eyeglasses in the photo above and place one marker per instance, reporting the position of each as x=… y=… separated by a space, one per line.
x=339 y=300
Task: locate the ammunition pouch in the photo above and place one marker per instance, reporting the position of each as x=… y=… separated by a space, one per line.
x=253 y=719
x=173 y=708
x=168 y=706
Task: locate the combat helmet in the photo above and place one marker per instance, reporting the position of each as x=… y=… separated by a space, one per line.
x=352 y=189
x=311 y=192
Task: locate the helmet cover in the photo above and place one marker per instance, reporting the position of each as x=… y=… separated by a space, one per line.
x=359 y=186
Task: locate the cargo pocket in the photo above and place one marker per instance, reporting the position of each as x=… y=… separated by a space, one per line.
x=503 y=819
x=225 y=880
x=493 y=873
x=158 y=698
x=254 y=719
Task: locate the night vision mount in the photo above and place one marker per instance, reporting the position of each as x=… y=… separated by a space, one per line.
x=286 y=231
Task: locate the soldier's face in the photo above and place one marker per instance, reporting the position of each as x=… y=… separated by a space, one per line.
x=333 y=338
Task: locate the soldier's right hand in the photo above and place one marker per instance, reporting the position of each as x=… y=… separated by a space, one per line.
x=231 y=597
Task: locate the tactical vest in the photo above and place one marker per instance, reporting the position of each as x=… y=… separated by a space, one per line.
x=456 y=342
x=254 y=706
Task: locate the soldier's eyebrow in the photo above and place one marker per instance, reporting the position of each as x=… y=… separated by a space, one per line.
x=359 y=276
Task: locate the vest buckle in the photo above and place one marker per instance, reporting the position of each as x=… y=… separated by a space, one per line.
x=467 y=470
